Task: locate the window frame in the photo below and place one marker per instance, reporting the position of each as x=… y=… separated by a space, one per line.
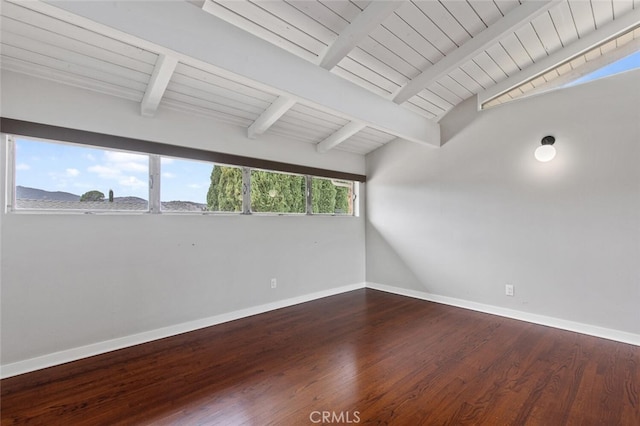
x=195 y=212
x=29 y=129
x=154 y=205
x=355 y=198
x=250 y=187
x=11 y=188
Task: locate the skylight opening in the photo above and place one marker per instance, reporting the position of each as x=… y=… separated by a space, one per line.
x=611 y=57
x=621 y=65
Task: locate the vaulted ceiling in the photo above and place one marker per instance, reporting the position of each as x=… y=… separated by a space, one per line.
x=347 y=75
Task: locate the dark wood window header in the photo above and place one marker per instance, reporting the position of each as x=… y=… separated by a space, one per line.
x=63 y=134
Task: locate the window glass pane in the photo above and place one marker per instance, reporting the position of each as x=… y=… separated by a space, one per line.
x=194 y=186
x=223 y=192
x=51 y=175
x=273 y=192
x=625 y=64
x=332 y=196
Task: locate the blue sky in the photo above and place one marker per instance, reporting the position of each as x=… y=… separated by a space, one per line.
x=625 y=64
x=75 y=169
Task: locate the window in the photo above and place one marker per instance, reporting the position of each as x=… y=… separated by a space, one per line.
x=332 y=196
x=627 y=63
x=224 y=193
x=52 y=175
x=612 y=56
x=59 y=176
x=197 y=186
x=273 y=192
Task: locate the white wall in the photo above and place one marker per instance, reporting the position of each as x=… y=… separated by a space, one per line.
x=480 y=212
x=71 y=280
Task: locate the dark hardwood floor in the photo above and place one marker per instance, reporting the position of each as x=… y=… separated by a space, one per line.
x=363 y=357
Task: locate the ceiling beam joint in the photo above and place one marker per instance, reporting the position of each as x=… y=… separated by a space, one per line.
x=357 y=30
x=162 y=72
x=272 y=114
x=478 y=44
x=223 y=49
x=339 y=136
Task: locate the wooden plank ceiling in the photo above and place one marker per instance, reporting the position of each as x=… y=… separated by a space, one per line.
x=425 y=55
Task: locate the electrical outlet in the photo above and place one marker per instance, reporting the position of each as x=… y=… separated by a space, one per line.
x=508 y=289
x=274 y=283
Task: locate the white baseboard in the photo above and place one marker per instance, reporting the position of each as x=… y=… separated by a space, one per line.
x=57 y=358
x=74 y=354
x=591 y=330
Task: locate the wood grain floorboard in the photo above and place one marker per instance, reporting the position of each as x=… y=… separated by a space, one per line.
x=365 y=355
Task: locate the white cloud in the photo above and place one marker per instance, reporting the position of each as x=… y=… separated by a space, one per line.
x=116 y=164
x=127 y=173
x=59 y=179
x=66 y=177
x=90 y=157
x=124 y=157
x=165 y=160
x=132 y=167
x=168 y=175
x=195 y=185
x=127 y=162
x=106 y=172
x=132 y=182
x=23 y=166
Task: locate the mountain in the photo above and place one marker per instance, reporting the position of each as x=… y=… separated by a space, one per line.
x=129 y=200
x=34 y=194
x=25 y=193
x=183 y=206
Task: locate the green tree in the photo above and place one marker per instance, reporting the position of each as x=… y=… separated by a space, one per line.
x=225 y=190
x=277 y=192
x=273 y=192
x=342 y=200
x=324 y=196
x=92 y=196
x=212 y=194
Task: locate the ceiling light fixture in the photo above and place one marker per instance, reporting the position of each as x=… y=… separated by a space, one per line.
x=546 y=151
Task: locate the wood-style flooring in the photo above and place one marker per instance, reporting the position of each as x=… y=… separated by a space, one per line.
x=363 y=357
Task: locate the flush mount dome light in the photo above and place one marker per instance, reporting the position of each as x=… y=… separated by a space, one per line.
x=546 y=151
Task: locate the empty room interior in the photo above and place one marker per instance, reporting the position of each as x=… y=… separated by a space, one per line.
x=418 y=212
